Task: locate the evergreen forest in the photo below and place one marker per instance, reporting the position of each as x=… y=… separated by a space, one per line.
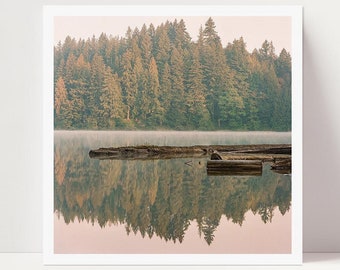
x=159 y=78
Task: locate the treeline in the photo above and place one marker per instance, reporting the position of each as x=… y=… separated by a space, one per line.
x=159 y=78
x=160 y=198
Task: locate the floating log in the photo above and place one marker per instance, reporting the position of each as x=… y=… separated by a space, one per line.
x=252 y=156
x=234 y=167
x=149 y=152
x=282 y=166
x=167 y=152
x=282 y=163
x=285 y=149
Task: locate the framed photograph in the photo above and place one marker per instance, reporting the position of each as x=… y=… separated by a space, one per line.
x=172 y=135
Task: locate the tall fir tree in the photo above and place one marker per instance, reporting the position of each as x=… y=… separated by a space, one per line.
x=197 y=113
x=283 y=108
x=238 y=59
x=93 y=93
x=61 y=106
x=176 y=111
x=111 y=110
x=217 y=76
x=165 y=92
x=129 y=84
x=145 y=45
x=155 y=113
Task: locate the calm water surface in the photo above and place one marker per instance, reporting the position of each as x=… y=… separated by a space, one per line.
x=166 y=206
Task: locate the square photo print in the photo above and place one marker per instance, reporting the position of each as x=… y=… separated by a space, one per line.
x=173 y=135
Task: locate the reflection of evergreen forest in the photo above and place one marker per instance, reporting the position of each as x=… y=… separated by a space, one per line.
x=158 y=78
x=160 y=197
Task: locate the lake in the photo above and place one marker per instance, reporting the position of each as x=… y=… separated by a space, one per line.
x=166 y=205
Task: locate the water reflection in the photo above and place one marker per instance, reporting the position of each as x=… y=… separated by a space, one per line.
x=160 y=197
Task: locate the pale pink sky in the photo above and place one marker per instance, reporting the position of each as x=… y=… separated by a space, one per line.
x=254 y=237
x=255 y=30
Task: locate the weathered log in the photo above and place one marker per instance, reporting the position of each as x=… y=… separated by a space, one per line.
x=233 y=163
x=282 y=166
x=166 y=152
x=280 y=163
x=253 y=156
x=149 y=152
x=234 y=167
x=285 y=149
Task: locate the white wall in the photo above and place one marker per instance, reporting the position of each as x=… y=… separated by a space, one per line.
x=21 y=121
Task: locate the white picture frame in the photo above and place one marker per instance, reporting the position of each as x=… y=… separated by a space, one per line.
x=293 y=258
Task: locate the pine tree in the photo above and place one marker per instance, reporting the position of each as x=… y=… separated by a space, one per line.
x=197 y=113
x=112 y=59
x=267 y=53
x=105 y=48
x=60 y=96
x=162 y=47
x=145 y=45
x=111 y=101
x=182 y=38
x=142 y=101
x=161 y=50
x=270 y=88
x=282 y=112
x=70 y=67
x=283 y=68
x=176 y=111
x=61 y=105
x=68 y=47
x=210 y=35
x=93 y=92
x=238 y=59
x=156 y=112
x=200 y=39
x=231 y=107
x=152 y=31
x=165 y=91
x=76 y=82
x=129 y=83
x=216 y=73
x=59 y=62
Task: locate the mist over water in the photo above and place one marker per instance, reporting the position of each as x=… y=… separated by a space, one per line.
x=98 y=139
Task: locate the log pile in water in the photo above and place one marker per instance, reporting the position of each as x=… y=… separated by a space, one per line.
x=225 y=159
